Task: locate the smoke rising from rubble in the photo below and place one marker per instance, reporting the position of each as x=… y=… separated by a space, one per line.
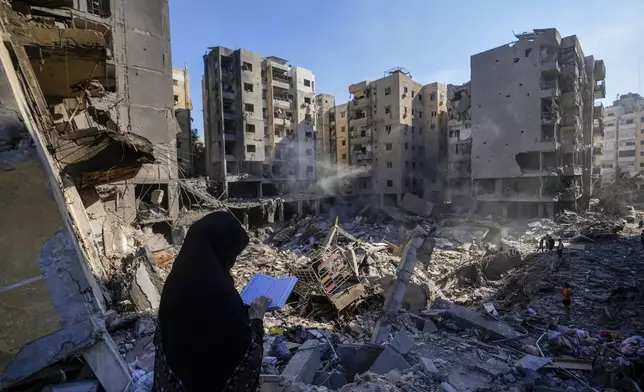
x=333 y=175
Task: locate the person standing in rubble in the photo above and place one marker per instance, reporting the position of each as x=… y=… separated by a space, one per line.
x=541 y=244
x=560 y=248
x=551 y=243
x=566 y=293
x=206 y=339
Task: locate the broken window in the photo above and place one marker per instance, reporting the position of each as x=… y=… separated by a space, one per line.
x=344 y=142
x=99 y=7
x=250 y=148
x=420 y=98
x=176 y=99
x=432 y=97
x=247 y=66
x=388 y=147
x=344 y=156
x=249 y=107
x=629 y=121
x=343 y=114
x=248 y=87
x=175 y=82
x=307 y=100
x=343 y=129
x=390 y=165
x=390 y=183
x=388 y=91
x=388 y=109
x=432 y=126
x=433 y=114
x=420 y=114
x=405 y=90
x=413 y=94
x=388 y=128
x=307 y=83
x=250 y=128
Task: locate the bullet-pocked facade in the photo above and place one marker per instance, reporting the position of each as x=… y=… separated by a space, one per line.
x=533 y=118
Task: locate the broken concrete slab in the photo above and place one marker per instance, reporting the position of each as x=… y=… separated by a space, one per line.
x=466 y=318
x=144 y=293
x=532 y=362
x=331 y=380
x=389 y=359
x=415 y=204
x=430 y=369
x=447 y=387
x=304 y=364
x=429 y=327
x=402 y=343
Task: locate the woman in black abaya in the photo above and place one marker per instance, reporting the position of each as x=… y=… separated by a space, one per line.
x=207 y=340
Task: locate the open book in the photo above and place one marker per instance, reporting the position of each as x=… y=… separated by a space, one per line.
x=278 y=290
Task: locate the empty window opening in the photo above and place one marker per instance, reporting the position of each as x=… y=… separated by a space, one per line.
x=390 y=165
x=387 y=109
x=249 y=107
x=390 y=183
x=307 y=100
x=250 y=148
x=389 y=147
x=176 y=99
x=250 y=128
x=307 y=83
x=247 y=67
x=388 y=91
x=99 y=7
x=529 y=161
x=248 y=87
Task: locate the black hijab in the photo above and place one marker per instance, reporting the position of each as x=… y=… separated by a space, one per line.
x=204 y=325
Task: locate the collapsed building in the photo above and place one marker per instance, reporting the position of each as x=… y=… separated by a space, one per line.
x=88 y=146
x=533 y=124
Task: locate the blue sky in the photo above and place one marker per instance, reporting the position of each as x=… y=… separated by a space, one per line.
x=344 y=42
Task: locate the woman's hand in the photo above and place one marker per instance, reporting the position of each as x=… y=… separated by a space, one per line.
x=258 y=308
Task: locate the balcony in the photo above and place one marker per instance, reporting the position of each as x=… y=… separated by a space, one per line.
x=550 y=66
x=600 y=89
x=230 y=136
x=598 y=128
x=357 y=157
x=572 y=170
x=281 y=102
x=279 y=82
x=545 y=144
x=227 y=74
x=359 y=121
x=550 y=117
x=284 y=122
x=600 y=70
x=360 y=102
x=549 y=88
x=599 y=112
x=229 y=115
x=598 y=150
x=361 y=137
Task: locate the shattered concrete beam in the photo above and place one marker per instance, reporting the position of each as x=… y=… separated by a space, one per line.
x=394 y=300
x=61 y=38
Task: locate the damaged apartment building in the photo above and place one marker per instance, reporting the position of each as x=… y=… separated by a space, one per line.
x=533 y=123
x=87 y=147
x=395 y=137
x=459 y=146
x=623 y=141
x=260 y=124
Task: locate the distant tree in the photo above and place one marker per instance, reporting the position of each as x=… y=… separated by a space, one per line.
x=198 y=153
